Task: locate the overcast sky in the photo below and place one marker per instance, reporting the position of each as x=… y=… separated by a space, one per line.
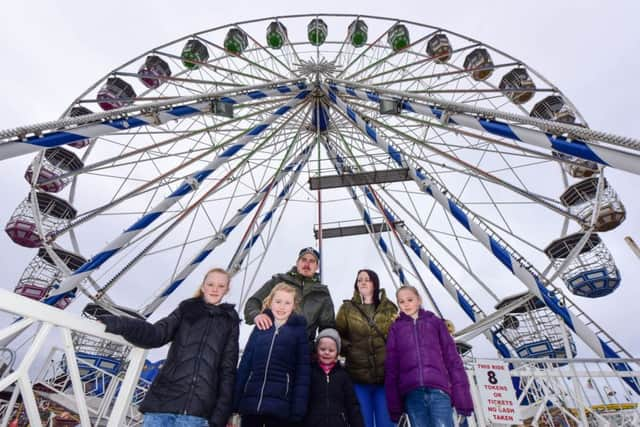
x=53 y=51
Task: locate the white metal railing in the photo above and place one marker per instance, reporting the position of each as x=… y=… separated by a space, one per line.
x=115 y=406
x=99 y=386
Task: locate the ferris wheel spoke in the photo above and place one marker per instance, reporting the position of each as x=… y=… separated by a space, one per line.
x=428 y=60
x=216 y=68
x=183 y=213
x=343 y=44
x=388 y=56
x=246 y=60
x=463 y=299
x=515 y=150
x=458 y=74
x=600 y=154
x=246 y=244
x=266 y=243
x=176 y=80
x=109 y=162
x=418 y=248
x=237 y=178
x=433 y=235
x=279 y=145
x=459 y=238
x=418 y=141
x=387 y=250
x=388 y=258
x=243 y=249
x=362 y=54
x=340 y=165
x=227 y=229
x=189 y=185
x=272 y=56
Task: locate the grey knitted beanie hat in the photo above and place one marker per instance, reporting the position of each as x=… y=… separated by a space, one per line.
x=330 y=333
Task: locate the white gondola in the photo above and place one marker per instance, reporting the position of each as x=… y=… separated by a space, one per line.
x=42 y=274
x=553 y=107
x=439 y=48
x=479 y=63
x=518 y=86
x=581 y=199
x=592 y=272
x=532 y=330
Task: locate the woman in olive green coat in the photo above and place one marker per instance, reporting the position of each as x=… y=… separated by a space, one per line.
x=363 y=323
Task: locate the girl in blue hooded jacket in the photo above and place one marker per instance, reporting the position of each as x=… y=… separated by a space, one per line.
x=272 y=385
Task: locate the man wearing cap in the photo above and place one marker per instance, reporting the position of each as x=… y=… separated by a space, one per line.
x=315 y=300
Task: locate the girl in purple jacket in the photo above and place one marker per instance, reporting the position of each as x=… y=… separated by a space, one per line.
x=424 y=375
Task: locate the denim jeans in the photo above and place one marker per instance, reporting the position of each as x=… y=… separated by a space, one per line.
x=161 y=419
x=373 y=405
x=429 y=407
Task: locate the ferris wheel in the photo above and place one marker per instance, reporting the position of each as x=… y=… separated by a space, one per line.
x=467 y=172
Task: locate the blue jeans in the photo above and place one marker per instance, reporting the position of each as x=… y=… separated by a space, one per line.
x=373 y=405
x=429 y=407
x=161 y=419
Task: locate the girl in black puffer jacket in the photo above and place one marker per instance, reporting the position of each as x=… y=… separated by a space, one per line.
x=195 y=384
x=332 y=401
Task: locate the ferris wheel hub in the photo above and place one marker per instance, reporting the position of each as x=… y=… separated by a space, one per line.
x=318 y=67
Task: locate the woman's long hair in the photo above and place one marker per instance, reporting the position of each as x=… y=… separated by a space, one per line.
x=373 y=276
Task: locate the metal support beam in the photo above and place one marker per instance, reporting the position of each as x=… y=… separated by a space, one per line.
x=360 y=178
x=560 y=137
x=353 y=230
x=36 y=137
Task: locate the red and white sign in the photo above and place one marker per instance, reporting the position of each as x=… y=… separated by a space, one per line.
x=497 y=395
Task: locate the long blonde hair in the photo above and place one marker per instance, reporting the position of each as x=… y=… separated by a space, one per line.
x=198 y=293
x=282 y=286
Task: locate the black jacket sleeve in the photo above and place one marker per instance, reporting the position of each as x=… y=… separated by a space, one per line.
x=351 y=403
x=142 y=333
x=226 y=379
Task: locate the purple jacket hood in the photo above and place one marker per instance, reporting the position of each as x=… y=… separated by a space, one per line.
x=422 y=353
